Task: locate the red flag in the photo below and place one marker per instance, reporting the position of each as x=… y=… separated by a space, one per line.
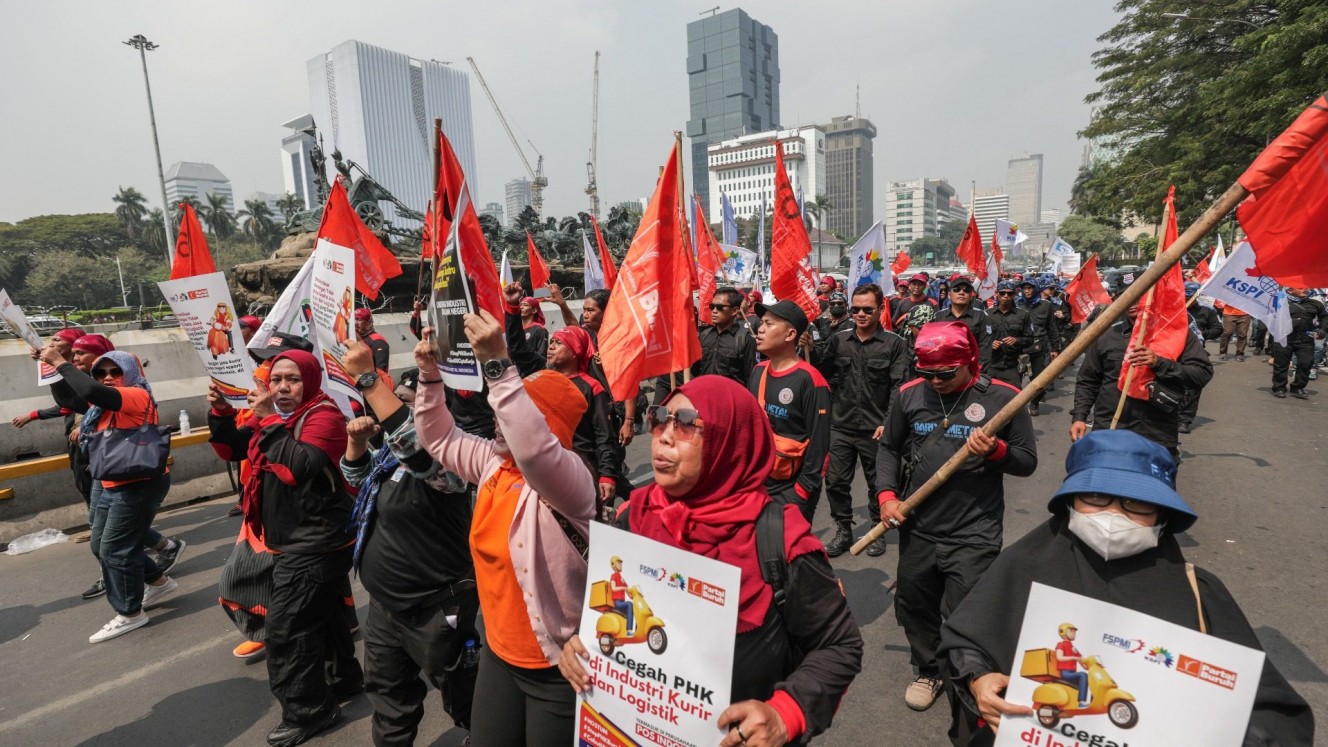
x=1202 y=271
x=901 y=263
x=191 y=252
x=1162 y=316
x=374 y=264
x=473 y=247
x=1286 y=215
x=791 y=275
x=539 y=271
x=970 y=250
x=709 y=261
x=426 y=234
x=1085 y=292
x=605 y=259
x=648 y=328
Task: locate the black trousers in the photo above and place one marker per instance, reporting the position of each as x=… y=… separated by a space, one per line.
x=1301 y=346
x=1038 y=362
x=522 y=707
x=1010 y=375
x=1190 y=407
x=310 y=654
x=933 y=579
x=847 y=448
x=399 y=647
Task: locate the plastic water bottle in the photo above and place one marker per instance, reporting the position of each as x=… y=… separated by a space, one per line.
x=184 y=421
x=470 y=657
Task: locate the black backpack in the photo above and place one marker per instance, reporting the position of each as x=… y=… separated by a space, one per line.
x=770 y=550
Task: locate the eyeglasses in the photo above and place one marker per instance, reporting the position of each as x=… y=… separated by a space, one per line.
x=687 y=422
x=720 y=306
x=102 y=373
x=1005 y=293
x=943 y=374
x=1131 y=506
x=961 y=289
x=863 y=309
x=838 y=303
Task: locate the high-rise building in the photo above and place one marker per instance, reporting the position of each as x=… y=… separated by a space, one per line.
x=188 y=179
x=1050 y=215
x=743 y=169
x=988 y=205
x=1023 y=182
x=733 y=77
x=518 y=198
x=378 y=106
x=494 y=209
x=955 y=211
x=297 y=169
x=916 y=209
x=848 y=175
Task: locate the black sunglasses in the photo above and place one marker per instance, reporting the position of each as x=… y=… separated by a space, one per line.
x=687 y=422
x=863 y=309
x=1131 y=506
x=1005 y=293
x=961 y=289
x=945 y=374
x=720 y=306
x=102 y=373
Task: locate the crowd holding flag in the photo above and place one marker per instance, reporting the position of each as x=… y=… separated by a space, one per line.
x=791 y=274
x=1162 y=323
x=866 y=260
x=648 y=327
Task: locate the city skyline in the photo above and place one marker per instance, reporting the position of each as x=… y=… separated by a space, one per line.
x=942 y=123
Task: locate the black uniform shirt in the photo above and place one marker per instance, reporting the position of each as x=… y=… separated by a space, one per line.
x=864 y=377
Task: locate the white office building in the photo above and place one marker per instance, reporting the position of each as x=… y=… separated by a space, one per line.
x=916 y=209
x=1023 y=181
x=297 y=168
x=988 y=206
x=743 y=169
x=494 y=210
x=378 y=106
x=189 y=179
x=519 y=197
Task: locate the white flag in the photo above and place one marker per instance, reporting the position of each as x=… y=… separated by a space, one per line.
x=593 y=272
x=1063 y=258
x=1008 y=234
x=1238 y=283
x=505 y=272
x=1219 y=257
x=739 y=264
x=867 y=262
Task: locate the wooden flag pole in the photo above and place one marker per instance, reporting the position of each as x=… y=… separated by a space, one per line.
x=1142 y=328
x=682 y=216
x=433 y=240
x=1130 y=296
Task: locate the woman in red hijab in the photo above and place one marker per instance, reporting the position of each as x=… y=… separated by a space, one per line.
x=298 y=503
x=712 y=448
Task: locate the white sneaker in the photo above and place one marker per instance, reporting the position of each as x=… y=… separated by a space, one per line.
x=153 y=595
x=118 y=626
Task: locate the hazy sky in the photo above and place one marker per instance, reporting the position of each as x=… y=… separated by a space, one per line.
x=955 y=88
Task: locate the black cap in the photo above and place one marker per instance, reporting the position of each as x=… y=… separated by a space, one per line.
x=786 y=310
x=280 y=342
x=959 y=280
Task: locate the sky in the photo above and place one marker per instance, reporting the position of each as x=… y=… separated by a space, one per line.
x=955 y=89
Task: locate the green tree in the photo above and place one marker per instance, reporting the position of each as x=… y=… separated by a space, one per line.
x=153 y=237
x=130 y=210
x=290 y=204
x=1191 y=102
x=1092 y=237
x=217 y=215
x=256 y=222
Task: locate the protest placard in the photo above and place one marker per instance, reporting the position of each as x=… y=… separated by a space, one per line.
x=453 y=297
x=332 y=307
x=662 y=669
x=203 y=305
x=1144 y=681
x=17 y=321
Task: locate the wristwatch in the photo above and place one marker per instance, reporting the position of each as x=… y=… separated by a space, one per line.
x=494 y=369
x=366 y=381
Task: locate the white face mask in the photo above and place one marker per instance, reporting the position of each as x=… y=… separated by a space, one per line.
x=1112 y=535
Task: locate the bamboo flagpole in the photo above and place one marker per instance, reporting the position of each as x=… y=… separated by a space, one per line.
x=1129 y=297
x=682 y=216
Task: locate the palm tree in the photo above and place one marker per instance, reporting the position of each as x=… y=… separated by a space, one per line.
x=256 y=221
x=820 y=207
x=154 y=233
x=217 y=215
x=130 y=209
x=290 y=204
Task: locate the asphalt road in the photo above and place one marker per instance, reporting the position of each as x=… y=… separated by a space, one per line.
x=1254 y=468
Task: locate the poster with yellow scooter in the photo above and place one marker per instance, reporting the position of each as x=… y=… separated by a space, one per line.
x=1098 y=674
x=659 y=624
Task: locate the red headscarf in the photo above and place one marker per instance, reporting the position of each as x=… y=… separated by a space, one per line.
x=578 y=341
x=947 y=345
x=539 y=313
x=327 y=433
x=96 y=344
x=717 y=517
x=68 y=334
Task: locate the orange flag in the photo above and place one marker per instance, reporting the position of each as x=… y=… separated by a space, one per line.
x=191 y=251
x=1286 y=215
x=709 y=262
x=470 y=237
x=1162 y=315
x=970 y=251
x=791 y=275
x=901 y=263
x=605 y=259
x=374 y=264
x=648 y=328
x=1085 y=292
x=539 y=271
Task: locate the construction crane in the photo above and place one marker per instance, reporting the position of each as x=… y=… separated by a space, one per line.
x=592 y=188
x=537 y=179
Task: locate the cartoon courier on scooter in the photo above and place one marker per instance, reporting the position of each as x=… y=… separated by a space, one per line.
x=1066 y=692
x=625 y=617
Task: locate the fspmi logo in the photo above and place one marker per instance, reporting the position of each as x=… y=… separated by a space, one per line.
x=192 y=295
x=335 y=266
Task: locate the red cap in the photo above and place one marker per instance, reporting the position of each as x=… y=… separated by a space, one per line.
x=251 y=322
x=363 y=315
x=68 y=334
x=98 y=345
x=918 y=278
x=947 y=345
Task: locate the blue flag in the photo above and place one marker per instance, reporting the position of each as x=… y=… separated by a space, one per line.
x=730 y=222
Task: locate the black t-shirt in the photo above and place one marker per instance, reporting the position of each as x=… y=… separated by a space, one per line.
x=381 y=352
